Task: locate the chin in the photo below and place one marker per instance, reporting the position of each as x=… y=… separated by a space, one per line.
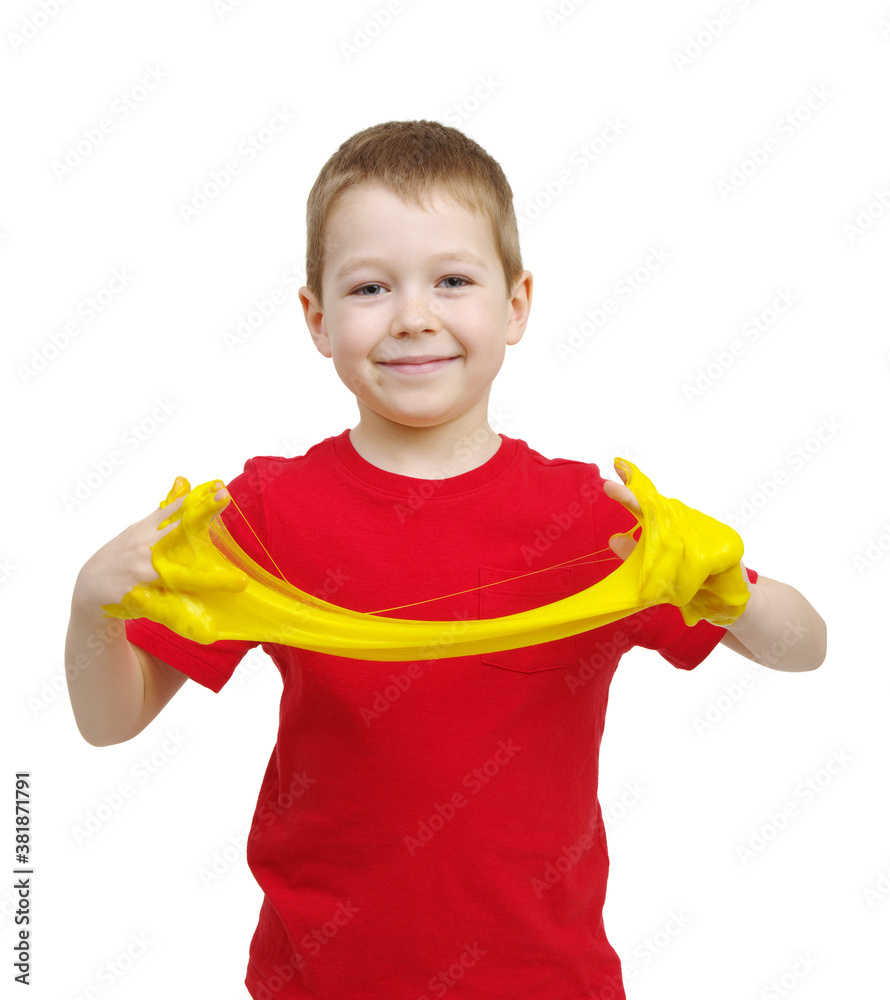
x=433 y=420
x=415 y=419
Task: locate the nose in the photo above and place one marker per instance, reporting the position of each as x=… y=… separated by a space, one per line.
x=415 y=313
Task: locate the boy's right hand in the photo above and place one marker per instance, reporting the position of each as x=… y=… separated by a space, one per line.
x=125 y=561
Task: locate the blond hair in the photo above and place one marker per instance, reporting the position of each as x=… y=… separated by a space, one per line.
x=416 y=160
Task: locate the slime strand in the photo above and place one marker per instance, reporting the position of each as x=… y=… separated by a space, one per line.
x=209 y=589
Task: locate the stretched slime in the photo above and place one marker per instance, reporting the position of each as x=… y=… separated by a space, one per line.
x=209 y=589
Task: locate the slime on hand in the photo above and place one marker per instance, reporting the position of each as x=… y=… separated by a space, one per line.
x=209 y=589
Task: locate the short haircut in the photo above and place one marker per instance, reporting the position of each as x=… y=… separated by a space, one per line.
x=416 y=160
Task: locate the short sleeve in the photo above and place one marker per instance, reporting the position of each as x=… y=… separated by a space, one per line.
x=212 y=665
x=662 y=628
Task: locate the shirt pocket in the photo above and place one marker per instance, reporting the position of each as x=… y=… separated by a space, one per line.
x=510 y=598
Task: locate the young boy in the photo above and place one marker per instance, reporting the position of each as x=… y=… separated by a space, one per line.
x=411 y=830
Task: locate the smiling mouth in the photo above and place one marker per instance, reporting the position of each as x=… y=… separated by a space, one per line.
x=417 y=366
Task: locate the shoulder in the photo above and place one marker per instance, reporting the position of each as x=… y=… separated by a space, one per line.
x=267 y=486
x=273 y=473
x=585 y=475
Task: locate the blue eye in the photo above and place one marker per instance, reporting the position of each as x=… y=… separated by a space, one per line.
x=360 y=291
x=363 y=293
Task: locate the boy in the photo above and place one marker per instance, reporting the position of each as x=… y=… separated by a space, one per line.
x=410 y=829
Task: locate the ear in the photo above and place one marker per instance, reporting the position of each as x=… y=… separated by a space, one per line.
x=520 y=306
x=314 y=316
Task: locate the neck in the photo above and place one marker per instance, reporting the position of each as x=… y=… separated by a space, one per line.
x=438 y=452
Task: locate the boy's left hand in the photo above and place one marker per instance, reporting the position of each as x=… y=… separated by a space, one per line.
x=699 y=551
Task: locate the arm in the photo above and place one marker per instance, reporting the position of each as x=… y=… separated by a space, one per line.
x=779 y=629
x=115 y=687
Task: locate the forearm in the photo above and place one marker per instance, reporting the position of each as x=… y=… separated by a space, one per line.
x=105 y=680
x=781 y=628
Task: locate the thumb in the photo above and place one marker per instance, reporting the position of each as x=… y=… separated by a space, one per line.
x=621 y=545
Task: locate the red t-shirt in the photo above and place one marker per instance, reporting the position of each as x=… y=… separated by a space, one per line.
x=433 y=825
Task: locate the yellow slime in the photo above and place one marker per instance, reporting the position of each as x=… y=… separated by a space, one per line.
x=208 y=589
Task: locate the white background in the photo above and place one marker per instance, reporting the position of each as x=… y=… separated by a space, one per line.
x=534 y=91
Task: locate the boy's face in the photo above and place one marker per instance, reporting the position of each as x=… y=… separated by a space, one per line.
x=415 y=333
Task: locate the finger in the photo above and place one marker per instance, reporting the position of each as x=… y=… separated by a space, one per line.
x=166 y=518
x=205 y=502
x=621 y=545
x=615 y=491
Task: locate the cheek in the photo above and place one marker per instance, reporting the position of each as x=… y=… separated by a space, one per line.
x=354 y=370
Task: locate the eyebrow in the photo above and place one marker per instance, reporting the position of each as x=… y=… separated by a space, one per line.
x=460 y=256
